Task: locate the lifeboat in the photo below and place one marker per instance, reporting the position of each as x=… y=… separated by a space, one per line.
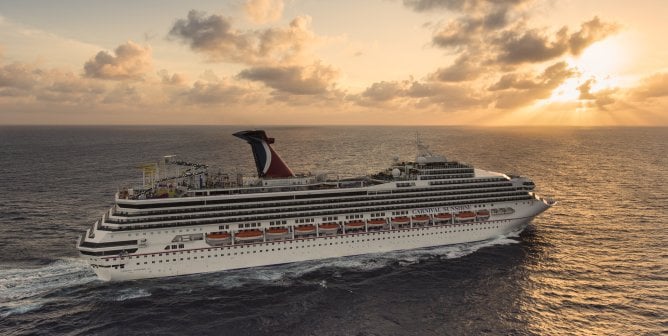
x=465 y=216
x=276 y=232
x=443 y=218
x=304 y=229
x=483 y=214
x=248 y=235
x=420 y=219
x=400 y=221
x=354 y=225
x=328 y=228
x=218 y=238
x=375 y=223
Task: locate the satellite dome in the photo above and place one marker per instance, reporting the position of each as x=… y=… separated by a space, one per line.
x=396 y=172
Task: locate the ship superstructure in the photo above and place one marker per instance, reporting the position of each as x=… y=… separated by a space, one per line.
x=184 y=220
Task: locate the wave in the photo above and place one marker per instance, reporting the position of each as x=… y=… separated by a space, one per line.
x=23 y=289
x=131 y=293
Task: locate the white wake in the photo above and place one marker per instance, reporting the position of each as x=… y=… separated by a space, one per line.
x=23 y=289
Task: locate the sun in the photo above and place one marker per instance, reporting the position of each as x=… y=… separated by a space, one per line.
x=602 y=63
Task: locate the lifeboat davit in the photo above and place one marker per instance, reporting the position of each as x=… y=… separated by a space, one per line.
x=248 y=235
x=420 y=219
x=328 y=228
x=354 y=225
x=483 y=214
x=218 y=238
x=375 y=223
x=304 y=229
x=443 y=218
x=465 y=216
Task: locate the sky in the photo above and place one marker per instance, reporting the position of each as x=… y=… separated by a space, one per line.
x=308 y=62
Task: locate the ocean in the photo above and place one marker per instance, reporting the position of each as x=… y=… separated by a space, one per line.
x=594 y=264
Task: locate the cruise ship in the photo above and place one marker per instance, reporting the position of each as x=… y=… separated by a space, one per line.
x=183 y=219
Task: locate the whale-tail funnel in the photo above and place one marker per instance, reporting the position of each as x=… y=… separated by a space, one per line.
x=267 y=161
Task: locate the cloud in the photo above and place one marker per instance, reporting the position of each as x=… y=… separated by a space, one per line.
x=463 y=69
x=214 y=36
x=263 y=11
x=589 y=33
x=16 y=78
x=600 y=99
x=536 y=46
x=174 y=79
x=214 y=93
x=130 y=61
x=29 y=82
x=298 y=80
x=654 y=86
x=516 y=90
x=457 y=5
x=411 y=93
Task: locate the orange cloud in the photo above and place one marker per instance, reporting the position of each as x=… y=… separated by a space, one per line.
x=130 y=61
x=516 y=90
x=655 y=86
x=263 y=11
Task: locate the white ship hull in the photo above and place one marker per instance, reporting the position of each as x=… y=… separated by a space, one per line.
x=203 y=258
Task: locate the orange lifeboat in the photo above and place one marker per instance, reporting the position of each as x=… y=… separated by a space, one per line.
x=443 y=217
x=355 y=224
x=400 y=220
x=483 y=214
x=465 y=216
x=304 y=229
x=276 y=232
x=328 y=228
x=218 y=235
x=248 y=235
x=375 y=223
x=218 y=238
x=420 y=219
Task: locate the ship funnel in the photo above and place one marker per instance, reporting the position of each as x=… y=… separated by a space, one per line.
x=267 y=161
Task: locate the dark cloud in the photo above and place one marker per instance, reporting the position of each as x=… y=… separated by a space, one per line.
x=585 y=90
x=384 y=91
x=298 y=80
x=418 y=94
x=428 y=5
x=600 y=98
x=457 y=5
x=214 y=36
x=214 y=93
x=531 y=46
x=519 y=46
x=515 y=90
x=130 y=61
x=655 y=86
x=590 y=32
x=463 y=69
x=458 y=34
